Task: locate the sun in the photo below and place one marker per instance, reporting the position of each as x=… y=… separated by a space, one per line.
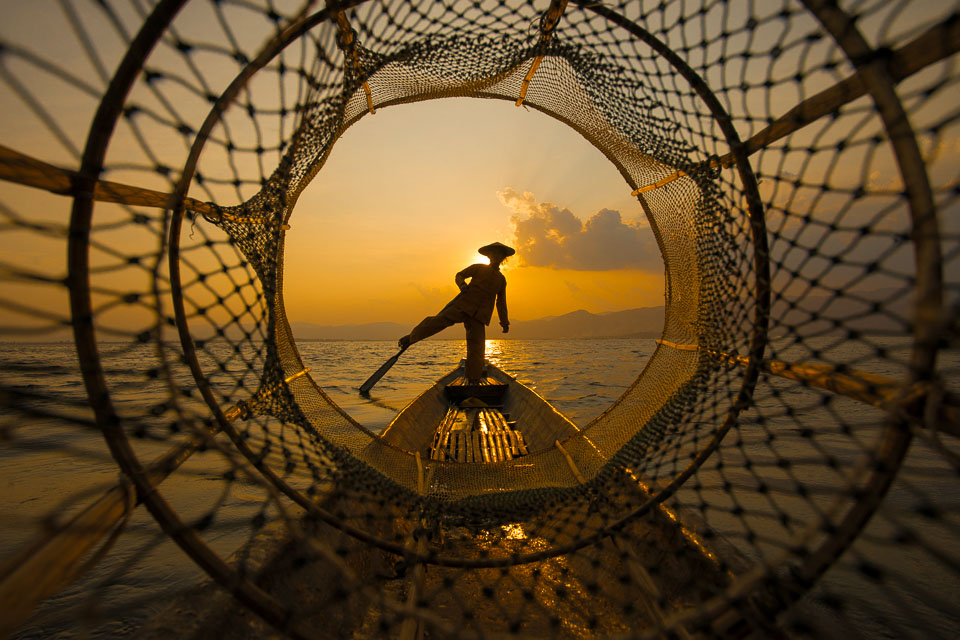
x=475 y=258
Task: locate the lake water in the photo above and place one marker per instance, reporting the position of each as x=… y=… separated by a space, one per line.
x=52 y=467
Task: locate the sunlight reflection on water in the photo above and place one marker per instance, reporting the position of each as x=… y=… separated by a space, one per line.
x=580 y=377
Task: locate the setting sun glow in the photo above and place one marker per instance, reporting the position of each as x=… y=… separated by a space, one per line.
x=381 y=231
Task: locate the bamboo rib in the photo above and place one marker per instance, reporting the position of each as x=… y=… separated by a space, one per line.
x=570 y=463
x=22 y=169
x=933 y=45
x=678 y=347
x=876 y=390
x=525 y=85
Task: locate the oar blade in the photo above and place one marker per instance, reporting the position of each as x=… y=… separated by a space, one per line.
x=379 y=373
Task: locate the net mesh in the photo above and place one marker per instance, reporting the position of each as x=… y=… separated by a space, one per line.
x=784 y=464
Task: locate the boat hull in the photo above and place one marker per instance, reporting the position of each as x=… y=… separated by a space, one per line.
x=537 y=425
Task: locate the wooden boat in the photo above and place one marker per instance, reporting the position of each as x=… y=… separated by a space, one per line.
x=466 y=429
x=496 y=420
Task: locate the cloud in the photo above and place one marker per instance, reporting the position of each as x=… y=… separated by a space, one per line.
x=546 y=235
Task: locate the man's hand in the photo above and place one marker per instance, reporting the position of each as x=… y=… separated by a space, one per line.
x=505 y=327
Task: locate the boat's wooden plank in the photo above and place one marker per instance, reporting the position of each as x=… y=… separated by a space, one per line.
x=429 y=423
x=496 y=449
x=445 y=447
x=496 y=452
x=448 y=421
x=437 y=439
x=441 y=434
x=521 y=443
x=502 y=446
x=499 y=422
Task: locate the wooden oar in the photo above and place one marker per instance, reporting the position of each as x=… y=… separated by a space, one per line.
x=379 y=373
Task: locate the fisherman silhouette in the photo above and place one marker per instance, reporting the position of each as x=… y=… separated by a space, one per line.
x=473 y=306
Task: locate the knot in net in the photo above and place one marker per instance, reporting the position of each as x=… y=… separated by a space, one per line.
x=785 y=463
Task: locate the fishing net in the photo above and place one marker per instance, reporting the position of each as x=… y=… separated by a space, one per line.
x=785 y=463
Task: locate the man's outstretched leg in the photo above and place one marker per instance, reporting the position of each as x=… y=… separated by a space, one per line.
x=430 y=326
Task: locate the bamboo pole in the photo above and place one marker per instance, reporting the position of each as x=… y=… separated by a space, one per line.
x=878 y=391
x=57 y=558
x=570 y=463
x=933 y=45
x=31 y=172
x=28 y=171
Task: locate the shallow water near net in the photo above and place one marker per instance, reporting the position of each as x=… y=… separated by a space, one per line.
x=136 y=580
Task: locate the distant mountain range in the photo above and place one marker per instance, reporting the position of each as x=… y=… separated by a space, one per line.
x=816 y=314
x=882 y=311
x=644 y=322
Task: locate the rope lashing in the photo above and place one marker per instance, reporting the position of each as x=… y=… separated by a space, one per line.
x=347 y=42
x=548 y=23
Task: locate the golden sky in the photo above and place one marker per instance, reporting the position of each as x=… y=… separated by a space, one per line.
x=410 y=193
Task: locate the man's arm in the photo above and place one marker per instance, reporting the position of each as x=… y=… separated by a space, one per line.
x=502 y=308
x=461 y=277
